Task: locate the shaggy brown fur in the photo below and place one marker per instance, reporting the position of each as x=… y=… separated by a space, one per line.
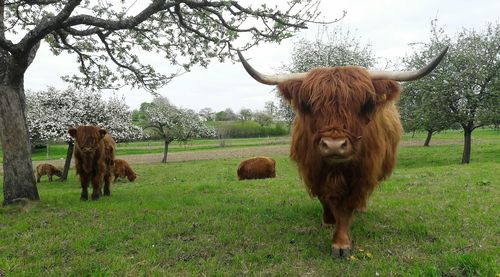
x=257 y=168
x=343 y=102
x=122 y=169
x=94 y=156
x=47 y=169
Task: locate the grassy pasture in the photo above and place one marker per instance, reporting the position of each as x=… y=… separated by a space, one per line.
x=433 y=217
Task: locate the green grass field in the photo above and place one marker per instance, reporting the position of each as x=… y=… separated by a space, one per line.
x=433 y=217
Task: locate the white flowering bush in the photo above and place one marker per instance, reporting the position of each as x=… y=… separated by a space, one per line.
x=52 y=112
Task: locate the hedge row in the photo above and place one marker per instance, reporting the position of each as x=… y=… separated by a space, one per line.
x=249 y=129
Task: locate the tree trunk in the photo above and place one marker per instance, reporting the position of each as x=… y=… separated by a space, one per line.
x=18 y=178
x=428 y=139
x=67 y=163
x=165 y=151
x=467 y=145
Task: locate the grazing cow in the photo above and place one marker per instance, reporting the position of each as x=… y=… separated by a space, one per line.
x=345 y=135
x=47 y=169
x=257 y=168
x=122 y=169
x=94 y=158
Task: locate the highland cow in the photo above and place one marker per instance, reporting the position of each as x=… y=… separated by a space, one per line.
x=47 y=169
x=94 y=156
x=122 y=169
x=345 y=135
x=257 y=168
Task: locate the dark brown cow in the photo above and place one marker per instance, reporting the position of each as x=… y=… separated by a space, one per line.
x=47 y=169
x=345 y=135
x=94 y=156
x=122 y=169
x=257 y=168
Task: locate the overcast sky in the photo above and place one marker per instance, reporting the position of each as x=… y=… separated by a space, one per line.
x=389 y=26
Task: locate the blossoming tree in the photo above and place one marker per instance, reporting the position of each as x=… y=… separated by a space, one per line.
x=173 y=123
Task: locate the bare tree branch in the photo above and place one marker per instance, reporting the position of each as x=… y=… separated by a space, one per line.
x=46 y=26
x=32 y=2
x=136 y=72
x=128 y=23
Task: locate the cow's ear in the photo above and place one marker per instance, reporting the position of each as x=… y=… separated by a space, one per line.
x=386 y=90
x=72 y=132
x=289 y=89
x=102 y=133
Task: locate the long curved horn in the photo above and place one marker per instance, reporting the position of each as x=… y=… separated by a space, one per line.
x=269 y=79
x=408 y=75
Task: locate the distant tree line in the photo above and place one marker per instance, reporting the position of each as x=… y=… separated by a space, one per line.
x=264 y=117
x=230 y=124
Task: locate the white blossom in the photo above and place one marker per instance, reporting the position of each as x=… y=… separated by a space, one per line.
x=52 y=112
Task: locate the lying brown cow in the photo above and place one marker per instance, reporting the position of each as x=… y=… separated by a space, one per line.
x=47 y=169
x=122 y=169
x=345 y=135
x=94 y=156
x=257 y=168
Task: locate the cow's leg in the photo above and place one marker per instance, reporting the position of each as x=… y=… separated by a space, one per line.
x=38 y=178
x=341 y=242
x=50 y=178
x=96 y=186
x=107 y=184
x=84 y=181
x=363 y=196
x=362 y=207
x=328 y=218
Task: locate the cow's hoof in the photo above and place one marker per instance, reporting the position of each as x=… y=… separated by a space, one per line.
x=342 y=253
x=329 y=221
x=95 y=197
x=82 y=198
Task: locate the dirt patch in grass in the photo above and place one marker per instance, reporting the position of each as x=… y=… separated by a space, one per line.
x=221 y=153
x=247 y=152
x=268 y=150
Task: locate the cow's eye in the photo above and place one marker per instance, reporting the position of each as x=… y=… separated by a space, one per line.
x=367 y=110
x=368 y=107
x=305 y=107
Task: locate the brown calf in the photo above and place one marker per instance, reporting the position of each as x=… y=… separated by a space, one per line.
x=47 y=169
x=122 y=169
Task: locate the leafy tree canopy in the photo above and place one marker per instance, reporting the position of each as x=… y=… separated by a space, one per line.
x=464 y=87
x=109 y=37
